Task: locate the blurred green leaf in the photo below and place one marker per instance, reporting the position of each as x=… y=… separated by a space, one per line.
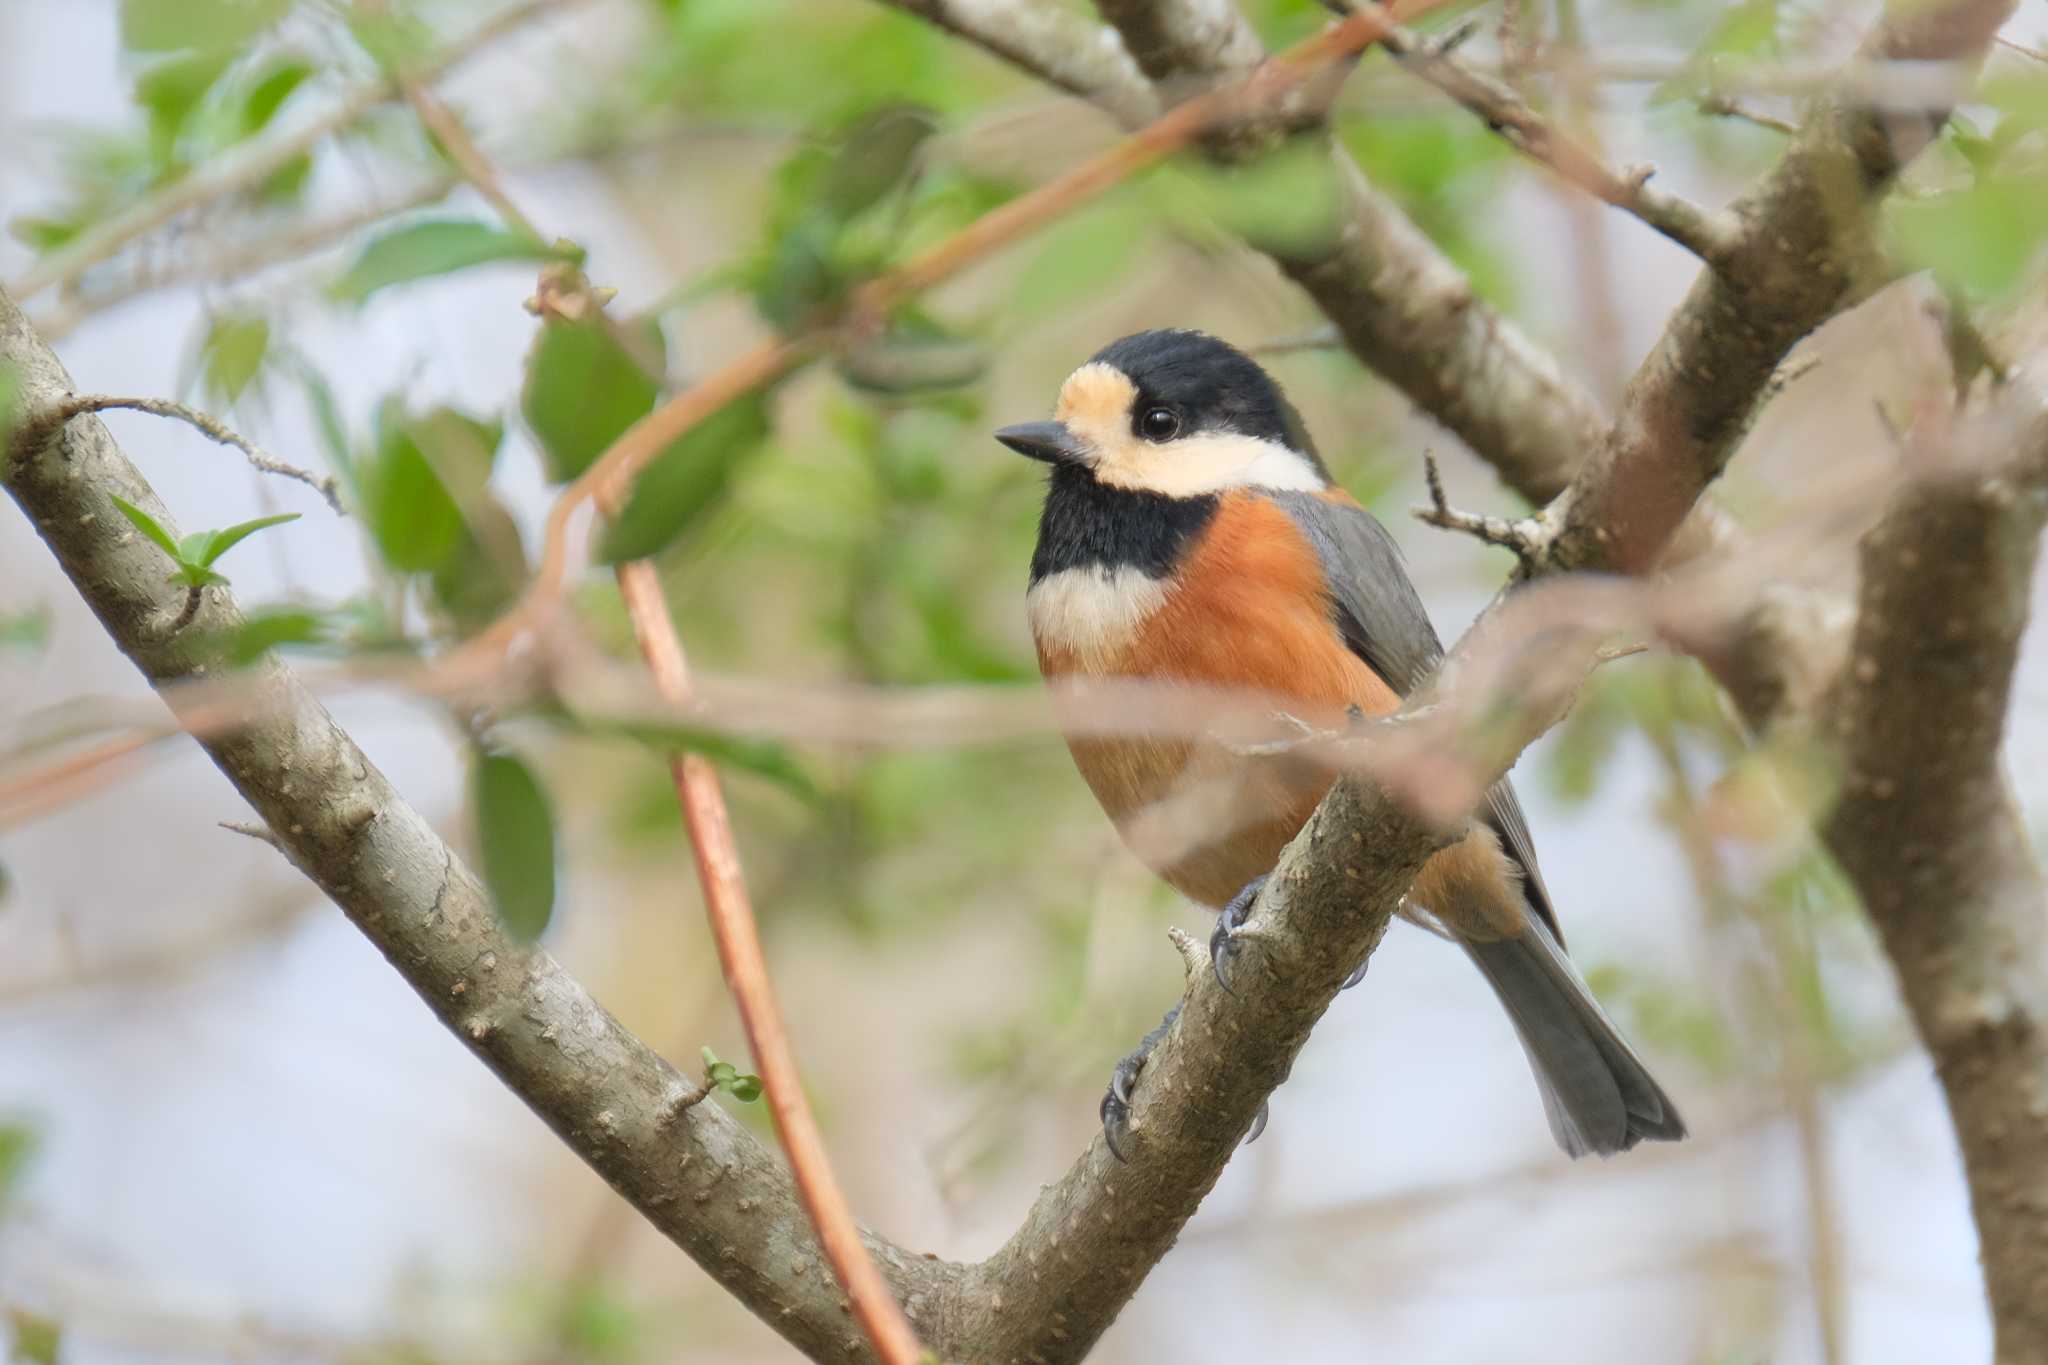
x=36 y=1338
x=1981 y=239
x=685 y=479
x=43 y=233
x=438 y=246
x=231 y=354
x=179 y=25
x=415 y=523
x=171 y=91
x=268 y=93
x=742 y=1086
x=516 y=839
x=18 y=1145
x=25 y=630
x=333 y=433
x=875 y=156
x=583 y=390
x=147 y=524
x=265 y=630
x=393 y=35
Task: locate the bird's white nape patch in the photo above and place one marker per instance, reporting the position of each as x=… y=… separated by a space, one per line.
x=1092 y=613
x=1208 y=462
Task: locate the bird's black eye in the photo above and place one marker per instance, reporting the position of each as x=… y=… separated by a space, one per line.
x=1158 y=423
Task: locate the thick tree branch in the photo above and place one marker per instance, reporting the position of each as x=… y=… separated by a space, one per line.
x=1806 y=245
x=1927 y=829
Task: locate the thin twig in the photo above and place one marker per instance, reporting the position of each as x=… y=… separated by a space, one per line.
x=39 y=429
x=746 y=971
x=233 y=174
x=236 y=262
x=1722 y=105
x=1524 y=538
x=1705 y=234
x=260 y=833
x=194 y=596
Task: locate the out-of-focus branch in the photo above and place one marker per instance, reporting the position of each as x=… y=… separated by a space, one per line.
x=1053 y=43
x=1806 y=246
x=1704 y=234
x=1185 y=43
x=232 y=174
x=1927 y=829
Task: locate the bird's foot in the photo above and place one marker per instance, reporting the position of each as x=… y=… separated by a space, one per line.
x=1223 y=942
x=1116 y=1101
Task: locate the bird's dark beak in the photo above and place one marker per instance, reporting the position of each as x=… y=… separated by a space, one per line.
x=1048 y=441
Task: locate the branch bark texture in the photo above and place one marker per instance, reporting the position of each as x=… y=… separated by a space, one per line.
x=1928 y=831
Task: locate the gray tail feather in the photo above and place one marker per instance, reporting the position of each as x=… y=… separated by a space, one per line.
x=1597 y=1093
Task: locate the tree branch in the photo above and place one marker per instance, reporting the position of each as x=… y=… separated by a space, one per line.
x=1927 y=829
x=1806 y=245
x=1053 y=43
x=208 y=426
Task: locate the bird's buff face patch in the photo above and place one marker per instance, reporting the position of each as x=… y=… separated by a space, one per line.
x=1096 y=404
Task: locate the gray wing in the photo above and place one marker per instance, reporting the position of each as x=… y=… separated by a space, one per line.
x=1382 y=618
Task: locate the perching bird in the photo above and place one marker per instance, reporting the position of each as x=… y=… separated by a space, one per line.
x=1192 y=537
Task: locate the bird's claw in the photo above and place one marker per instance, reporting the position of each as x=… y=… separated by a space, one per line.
x=1116 y=1101
x=1223 y=941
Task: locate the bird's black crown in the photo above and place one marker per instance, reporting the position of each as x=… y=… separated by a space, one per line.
x=1210 y=383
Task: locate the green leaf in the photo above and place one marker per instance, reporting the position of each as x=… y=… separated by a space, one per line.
x=264 y=631
x=437 y=246
x=228 y=537
x=18 y=1144
x=25 y=630
x=37 y=1339
x=875 y=156
x=181 y=25
x=583 y=390
x=516 y=837
x=269 y=93
x=146 y=524
x=172 y=90
x=685 y=479
x=333 y=433
x=42 y=234
x=196 y=576
x=231 y=355
x=1981 y=239
x=745 y=1089
x=414 y=521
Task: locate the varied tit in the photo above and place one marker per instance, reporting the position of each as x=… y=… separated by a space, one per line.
x=1192 y=537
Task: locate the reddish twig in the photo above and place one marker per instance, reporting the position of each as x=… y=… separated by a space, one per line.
x=746 y=972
